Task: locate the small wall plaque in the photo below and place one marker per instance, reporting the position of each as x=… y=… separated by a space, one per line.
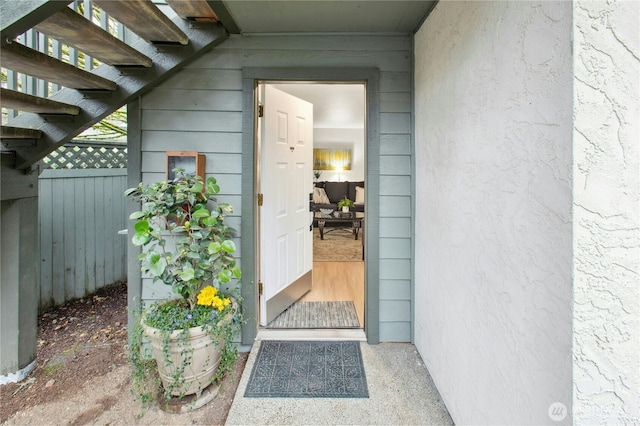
x=192 y=162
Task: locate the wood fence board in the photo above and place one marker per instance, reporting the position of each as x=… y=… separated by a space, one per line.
x=68 y=214
x=99 y=231
x=107 y=235
x=45 y=208
x=90 y=253
x=80 y=214
x=116 y=213
x=113 y=210
x=80 y=244
x=57 y=260
x=79 y=173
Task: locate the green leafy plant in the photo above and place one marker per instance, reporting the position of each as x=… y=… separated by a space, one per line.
x=345 y=202
x=186 y=245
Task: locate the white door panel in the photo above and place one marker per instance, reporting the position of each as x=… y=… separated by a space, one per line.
x=281 y=256
x=282 y=171
x=301 y=195
x=286 y=181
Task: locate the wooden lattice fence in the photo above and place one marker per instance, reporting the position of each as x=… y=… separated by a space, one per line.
x=88 y=155
x=81 y=210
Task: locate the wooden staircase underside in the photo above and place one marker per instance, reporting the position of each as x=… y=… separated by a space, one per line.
x=127 y=71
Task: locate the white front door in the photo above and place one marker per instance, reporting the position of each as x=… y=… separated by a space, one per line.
x=286 y=181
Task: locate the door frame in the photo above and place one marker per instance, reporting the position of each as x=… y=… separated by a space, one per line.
x=249 y=217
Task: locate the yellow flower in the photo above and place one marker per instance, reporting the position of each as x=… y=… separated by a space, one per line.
x=207 y=295
x=220 y=302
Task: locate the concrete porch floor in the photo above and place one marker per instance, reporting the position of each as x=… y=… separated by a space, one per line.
x=400 y=392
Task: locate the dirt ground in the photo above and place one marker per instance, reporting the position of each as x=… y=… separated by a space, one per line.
x=83 y=376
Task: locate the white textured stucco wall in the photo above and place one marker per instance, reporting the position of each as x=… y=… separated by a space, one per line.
x=606 y=212
x=493 y=254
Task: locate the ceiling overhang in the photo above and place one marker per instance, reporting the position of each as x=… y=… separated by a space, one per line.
x=325 y=16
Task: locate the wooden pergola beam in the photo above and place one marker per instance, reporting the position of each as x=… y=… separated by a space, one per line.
x=21 y=101
x=20 y=58
x=16 y=17
x=145 y=19
x=8 y=132
x=196 y=10
x=224 y=16
x=73 y=29
x=129 y=86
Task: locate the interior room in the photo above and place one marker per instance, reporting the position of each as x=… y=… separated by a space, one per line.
x=338 y=255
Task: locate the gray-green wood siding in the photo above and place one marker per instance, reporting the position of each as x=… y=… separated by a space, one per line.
x=80 y=214
x=200 y=108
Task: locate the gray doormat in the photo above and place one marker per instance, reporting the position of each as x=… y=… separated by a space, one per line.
x=317 y=315
x=288 y=369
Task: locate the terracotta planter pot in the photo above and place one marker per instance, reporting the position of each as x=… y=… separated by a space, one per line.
x=198 y=352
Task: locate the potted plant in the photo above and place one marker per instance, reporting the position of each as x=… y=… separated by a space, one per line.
x=345 y=203
x=186 y=245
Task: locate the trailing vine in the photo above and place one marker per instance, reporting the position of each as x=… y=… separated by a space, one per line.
x=188 y=246
x=146 y=381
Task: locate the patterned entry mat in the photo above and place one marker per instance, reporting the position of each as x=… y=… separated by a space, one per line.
x=317 y=315
x=308 y=369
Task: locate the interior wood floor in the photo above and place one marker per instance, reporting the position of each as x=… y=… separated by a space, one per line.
x=338 y=281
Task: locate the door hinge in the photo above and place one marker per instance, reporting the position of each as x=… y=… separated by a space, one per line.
x=260 y=288
x=260 y=110
x=260 y=199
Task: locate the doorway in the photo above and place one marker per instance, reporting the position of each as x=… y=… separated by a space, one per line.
x=247 y=187
x=337 y=271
